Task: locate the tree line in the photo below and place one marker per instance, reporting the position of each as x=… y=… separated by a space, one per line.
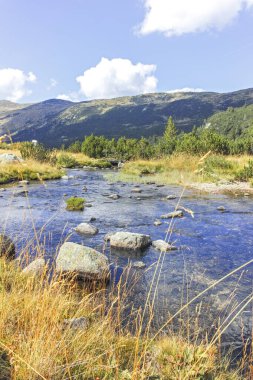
x=199 y=141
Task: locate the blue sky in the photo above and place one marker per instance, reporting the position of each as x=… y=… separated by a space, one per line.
x=83 y=49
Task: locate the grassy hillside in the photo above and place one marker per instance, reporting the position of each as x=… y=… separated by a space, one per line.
x=233 y=122
x=55 y=122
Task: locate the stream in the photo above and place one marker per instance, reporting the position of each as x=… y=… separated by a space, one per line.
x=210 y=244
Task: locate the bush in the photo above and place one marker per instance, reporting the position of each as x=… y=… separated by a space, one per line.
x=37 y=152
x=66 y=161
x=75 y=204
x=246 y=173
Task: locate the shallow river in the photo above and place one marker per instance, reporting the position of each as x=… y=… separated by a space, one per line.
x=210 y=244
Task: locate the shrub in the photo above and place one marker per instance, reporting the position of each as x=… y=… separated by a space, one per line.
x=75 y=204
x=66 y=161
x=37 y=152
x=246 y=173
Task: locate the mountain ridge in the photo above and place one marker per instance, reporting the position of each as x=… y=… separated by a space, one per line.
x=55 y=122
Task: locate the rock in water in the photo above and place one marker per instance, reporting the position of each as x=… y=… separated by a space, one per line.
x=163 y=246
x=173 y=214
x=85 y=262
x=136 y=190
x=157 y=223
x=221 y=208
x=36 y=267
x=130 y=241
x=7 y=247
x=139 y=265
x=86 y=229
x=114 y=196
x=171 y=197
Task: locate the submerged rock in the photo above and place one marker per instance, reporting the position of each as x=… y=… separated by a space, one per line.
x=36 y=267
x=129 y=241
x=86 y=229
x=7 y=248
x=20 y=193
x=163 y=246
x=84 y=262
x=173 y=214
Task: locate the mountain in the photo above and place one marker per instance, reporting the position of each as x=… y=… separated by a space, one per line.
x=234 y=122
x=54 y=122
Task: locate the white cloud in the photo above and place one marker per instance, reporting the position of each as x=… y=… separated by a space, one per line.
x=177 y=17
x=117 y=77
x=13 y=84
x=72 y=97
x=185 y=89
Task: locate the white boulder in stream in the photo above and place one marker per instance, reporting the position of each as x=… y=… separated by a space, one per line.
x=130 y=241
x=86 y=229
x=85 y=262
x=163 y=246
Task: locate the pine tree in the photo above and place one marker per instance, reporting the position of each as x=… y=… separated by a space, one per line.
x=170 y=132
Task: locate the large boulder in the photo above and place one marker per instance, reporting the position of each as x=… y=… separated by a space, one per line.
x=8 y=158
x=130 y=241
x=85 y=262
x=86 y=229
x=36 y=267
x=7 y=247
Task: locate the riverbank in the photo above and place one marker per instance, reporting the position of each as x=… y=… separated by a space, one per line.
x=214 y=174
x=34 y=170
x=47 y=331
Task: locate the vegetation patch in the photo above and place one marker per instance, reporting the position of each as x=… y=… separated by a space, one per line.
x=75 y=204
x=40 y=345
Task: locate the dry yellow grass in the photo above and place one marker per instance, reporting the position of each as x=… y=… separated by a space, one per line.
x=39 y=345
x=30 y=170
x=184 y=169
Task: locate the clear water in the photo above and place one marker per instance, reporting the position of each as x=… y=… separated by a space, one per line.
x=210 y=245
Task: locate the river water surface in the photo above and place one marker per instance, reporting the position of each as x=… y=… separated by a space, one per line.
x=210 y=244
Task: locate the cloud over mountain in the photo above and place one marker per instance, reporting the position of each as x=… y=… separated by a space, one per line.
x=14 y=84
x=177 y=17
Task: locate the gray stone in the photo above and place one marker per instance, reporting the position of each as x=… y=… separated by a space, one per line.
x=65 y=177
x=8 y=158
x=114 y=196
x=7 y=247
x=173 y=214
x=76 y=323
x=108 y=236
x=221 y=208
x=139 y=265
x=163 y=246
x=171 y=197
x=24 y=182
x=86 y=229
x=84 y=262
x=36 y=267
x=157 y=223
x=130 y=241
x=136 y=190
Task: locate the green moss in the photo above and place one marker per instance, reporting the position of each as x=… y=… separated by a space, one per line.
x=75 y=204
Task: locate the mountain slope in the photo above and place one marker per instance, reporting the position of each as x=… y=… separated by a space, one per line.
x=55 y=122
x=233 y=122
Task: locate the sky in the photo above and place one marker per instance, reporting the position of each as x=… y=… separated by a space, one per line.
x=90 y=49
